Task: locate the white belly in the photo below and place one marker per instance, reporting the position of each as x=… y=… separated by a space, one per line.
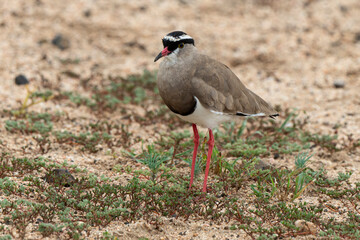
x=205 y=117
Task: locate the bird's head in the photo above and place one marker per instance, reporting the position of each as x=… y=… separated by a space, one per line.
x=173 y=43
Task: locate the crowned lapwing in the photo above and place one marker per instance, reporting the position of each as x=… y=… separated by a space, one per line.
x=203 y=91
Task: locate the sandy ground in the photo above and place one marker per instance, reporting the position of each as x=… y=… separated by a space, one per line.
x=288 y=52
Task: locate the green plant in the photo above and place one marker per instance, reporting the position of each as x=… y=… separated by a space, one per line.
x=285 y=183
x=35 y=98
x=153 y=159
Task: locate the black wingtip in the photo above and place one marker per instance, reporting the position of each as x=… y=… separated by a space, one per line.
x=241 y=114
x=274 y=116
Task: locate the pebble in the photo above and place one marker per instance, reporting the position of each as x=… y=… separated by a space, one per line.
x=21 y=80
x=343 y=9
x=339 y=83
x=87 y=13
x=61 y=42
x=39 y=220
x=357 y=37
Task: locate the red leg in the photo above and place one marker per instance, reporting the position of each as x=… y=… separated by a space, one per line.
x=211 y=143
x=196 y=145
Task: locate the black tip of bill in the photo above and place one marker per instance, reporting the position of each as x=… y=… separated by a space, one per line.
x=158 y=57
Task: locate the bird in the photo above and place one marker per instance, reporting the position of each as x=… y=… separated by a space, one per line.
x=203 y=91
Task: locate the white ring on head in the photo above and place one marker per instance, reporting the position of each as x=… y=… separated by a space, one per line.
x=176 y=39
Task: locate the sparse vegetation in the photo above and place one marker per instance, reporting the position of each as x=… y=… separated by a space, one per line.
x=96 y=201
x=157 y=190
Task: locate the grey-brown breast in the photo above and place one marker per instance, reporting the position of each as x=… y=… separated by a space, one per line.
x=174 y=83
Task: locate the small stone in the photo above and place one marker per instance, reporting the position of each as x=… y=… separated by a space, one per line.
x=39 y=220
x=60 y=176
x=61 y=42
x=343 y=9
x=221 y=195
x=87 y=13
x=7 y=221
x=357 y=37
x=338 y=83
x=21 y=80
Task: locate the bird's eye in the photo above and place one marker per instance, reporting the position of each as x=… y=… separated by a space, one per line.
x=181 y=45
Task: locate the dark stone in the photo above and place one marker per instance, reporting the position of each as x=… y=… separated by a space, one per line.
x=343 y=9
x=143 y=8
x=221 y=195
x=338 y=83
x=39 y=220
x=61 y=177
x=357 y=37
x=87 y=13
x=135 y=44
x=61 y=42
x=21 y=80
x=7 y=221
x=42 y=41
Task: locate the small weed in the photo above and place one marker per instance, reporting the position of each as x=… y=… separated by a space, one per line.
x=28 y=127
x=199 y=165
x=39 y=124
x=153 y=159
x=34 y=98
x=286 y=184
x=88 y=140
x=78 y=100
x=100 y=133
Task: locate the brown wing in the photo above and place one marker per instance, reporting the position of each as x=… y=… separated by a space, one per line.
x=219 y=89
